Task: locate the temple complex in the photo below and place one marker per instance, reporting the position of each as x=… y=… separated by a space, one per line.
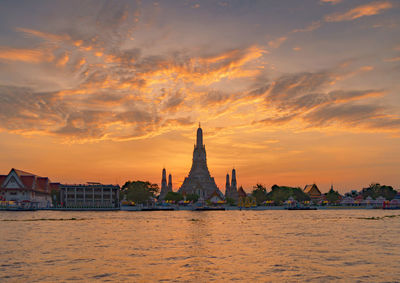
x=199 y=181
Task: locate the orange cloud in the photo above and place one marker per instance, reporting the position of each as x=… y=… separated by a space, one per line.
x=63 y=60
x=24 y=55
x=370 y=9
x=44 y=35
x=394 y=59
x=311 y=27
x=277 y=42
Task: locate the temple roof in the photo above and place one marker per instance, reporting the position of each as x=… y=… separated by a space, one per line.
x=29 y=181
x=311 y=189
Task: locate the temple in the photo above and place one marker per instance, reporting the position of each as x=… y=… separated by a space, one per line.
x=199 y=181
x=165 y=188
x=231 y=187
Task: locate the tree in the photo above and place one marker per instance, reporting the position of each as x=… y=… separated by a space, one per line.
x=174 y=196
x=192 y=197
x=230 y=201
x=259 y=193
x=332 y=196
x=139 y=191
x=279 y=194
x=376 y=190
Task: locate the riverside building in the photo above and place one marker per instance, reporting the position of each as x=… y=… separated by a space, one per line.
x=27 y=189
x=90 y=195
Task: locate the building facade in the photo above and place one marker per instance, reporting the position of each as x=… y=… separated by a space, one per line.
x=26 y=188
x=90 y=195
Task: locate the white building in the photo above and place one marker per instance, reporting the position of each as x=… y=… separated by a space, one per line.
x=26 y=188
x=90 y=195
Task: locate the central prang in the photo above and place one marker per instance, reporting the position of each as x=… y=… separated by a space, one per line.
x=199 y=181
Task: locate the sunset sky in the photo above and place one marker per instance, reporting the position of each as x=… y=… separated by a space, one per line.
x=287 y=92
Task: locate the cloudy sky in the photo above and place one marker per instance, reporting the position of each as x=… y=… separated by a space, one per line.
x=287 y=92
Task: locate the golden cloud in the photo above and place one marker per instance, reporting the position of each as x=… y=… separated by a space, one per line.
x=394 y=59
x=24 y=55
x=370 y=9
x=277 y=42
x=44 y=35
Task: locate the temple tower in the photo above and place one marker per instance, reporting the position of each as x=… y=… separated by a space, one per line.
x=227 y=186
x=232 y=192
x=199 y=180
x=164 y=187
x=233 y=183
x=169 y=183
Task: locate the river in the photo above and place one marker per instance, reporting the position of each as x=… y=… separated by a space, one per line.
x=175 y=246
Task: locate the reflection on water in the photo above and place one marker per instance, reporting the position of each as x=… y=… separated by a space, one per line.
x=261 y=246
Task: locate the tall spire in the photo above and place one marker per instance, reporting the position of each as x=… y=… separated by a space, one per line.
x=169 y=183
x=227 y=186
x=233 y=183
x=164 y=188
x=199 y=142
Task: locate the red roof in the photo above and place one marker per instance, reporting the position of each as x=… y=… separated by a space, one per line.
x=42 y=184
x=28 y=181
x=22 y=173
x=242 y=193
x=54 y=186
x=2 y=179
x=32 y=181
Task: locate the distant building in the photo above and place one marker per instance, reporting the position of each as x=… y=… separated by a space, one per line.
x=244 y=199
x=165 y=187
x=312 y=191
x=27 y=188
x=231 y=187
x=90 y=195
x=241 y=193
x=215 y=197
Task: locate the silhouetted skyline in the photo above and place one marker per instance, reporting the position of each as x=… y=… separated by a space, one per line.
x=287 y=92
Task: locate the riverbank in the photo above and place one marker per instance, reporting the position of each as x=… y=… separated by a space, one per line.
x=194 y=208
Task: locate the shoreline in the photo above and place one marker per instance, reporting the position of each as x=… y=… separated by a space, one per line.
x=227 y=208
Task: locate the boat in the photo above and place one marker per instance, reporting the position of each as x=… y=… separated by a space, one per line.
x=301 y=208
x=206 y=208
x=19 y=209
x=157 y=209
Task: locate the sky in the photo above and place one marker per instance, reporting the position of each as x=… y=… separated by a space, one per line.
x=287 y=92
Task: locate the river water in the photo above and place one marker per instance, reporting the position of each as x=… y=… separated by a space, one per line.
x=252 y=246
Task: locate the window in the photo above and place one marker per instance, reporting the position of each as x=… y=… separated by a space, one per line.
x=13 y=193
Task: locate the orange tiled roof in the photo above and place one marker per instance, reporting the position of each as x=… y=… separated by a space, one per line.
x=32 y=181
x=54 y=186
x=42 y=184
x=22 y=173
x=308 y=190
x=242 y=193
x=28 y=181
x=2 y=179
